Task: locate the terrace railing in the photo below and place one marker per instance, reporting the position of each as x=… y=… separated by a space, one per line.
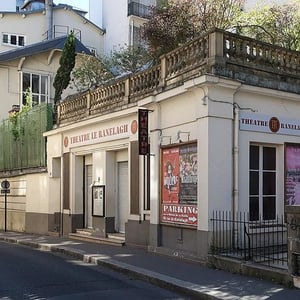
x=217 y=53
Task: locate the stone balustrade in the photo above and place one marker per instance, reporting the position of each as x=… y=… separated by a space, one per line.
x=108 y=97
x=218 y=53
x=247 y=51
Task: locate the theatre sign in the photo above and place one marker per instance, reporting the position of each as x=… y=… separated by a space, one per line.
x=268 y=124
x=94 y=135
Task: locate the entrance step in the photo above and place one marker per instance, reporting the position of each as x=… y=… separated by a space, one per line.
x=116 y=236
x=85 y=232
x=90 y=236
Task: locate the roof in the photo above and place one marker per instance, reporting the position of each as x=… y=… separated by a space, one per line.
x=60 y=6
x=54 y=44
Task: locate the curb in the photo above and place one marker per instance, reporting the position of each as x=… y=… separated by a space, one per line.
x=163 y=281
x=155 y=278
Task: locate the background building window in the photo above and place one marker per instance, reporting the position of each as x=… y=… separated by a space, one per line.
x=13 y=39
x=262 y=183
x=38 y=86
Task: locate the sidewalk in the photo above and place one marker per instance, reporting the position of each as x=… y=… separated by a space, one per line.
x=192 y=278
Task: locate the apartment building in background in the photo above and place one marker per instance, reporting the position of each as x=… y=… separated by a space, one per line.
x=33 y=27
x=25 y=23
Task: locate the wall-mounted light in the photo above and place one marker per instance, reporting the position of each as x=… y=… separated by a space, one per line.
x=179 y=133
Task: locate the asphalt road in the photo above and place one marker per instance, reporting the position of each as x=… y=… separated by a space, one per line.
x=27 y=273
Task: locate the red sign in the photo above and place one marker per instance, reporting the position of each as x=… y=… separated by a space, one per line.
x=180 y=214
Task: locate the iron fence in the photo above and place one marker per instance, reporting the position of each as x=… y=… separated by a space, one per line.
x=234 y=235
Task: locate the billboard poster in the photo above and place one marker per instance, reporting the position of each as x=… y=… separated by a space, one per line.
x=292 y=174
x=179 y=185
x=170 y=175
x=188 y=174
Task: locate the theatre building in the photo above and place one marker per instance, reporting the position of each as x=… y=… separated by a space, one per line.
x=212 y=130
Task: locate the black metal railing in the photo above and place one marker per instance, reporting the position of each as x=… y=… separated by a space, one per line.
x=234 y=235
x=139 y=10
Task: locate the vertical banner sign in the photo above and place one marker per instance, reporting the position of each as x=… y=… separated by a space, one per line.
x=143 y=132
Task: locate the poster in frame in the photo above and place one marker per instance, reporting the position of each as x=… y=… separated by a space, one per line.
x=98 y=200
x=292 y=174
x=179 y=173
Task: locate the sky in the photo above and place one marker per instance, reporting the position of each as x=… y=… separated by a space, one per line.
x=83 y=4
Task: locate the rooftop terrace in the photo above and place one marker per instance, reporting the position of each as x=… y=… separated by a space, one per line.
x=219 y=53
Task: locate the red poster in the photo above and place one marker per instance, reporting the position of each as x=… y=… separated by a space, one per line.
x=170 y=173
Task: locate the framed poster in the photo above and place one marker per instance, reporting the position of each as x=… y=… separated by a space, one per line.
x=179 y=171
x=98 y=199
x=292 y=174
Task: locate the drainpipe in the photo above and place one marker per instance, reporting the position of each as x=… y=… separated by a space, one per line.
x=236 y=159
x=49 y=17
x=235 y=202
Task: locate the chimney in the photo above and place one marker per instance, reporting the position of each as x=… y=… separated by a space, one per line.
x=49 y=18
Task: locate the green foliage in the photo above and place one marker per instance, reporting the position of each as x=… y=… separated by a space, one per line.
x=67 y=63
x=95 y=71
x=180 y=21
x=130 y=59
x=91 y=71
x=276 y=24
x=16 y=117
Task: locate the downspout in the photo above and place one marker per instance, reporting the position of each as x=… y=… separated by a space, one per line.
x=235 y=203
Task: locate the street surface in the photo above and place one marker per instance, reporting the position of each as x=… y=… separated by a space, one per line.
x=27 y=273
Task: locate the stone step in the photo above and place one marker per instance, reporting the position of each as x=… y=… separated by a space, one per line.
x=117 y=236
x=85 y=232
x=97 y=239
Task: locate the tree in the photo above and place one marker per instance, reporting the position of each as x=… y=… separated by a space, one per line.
x=94 y=71
x=91 y=71
x=276 y=24
x=168 y=27
x=179 y=21
x=67 y=63
x=208 y=14
x=130 y=59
